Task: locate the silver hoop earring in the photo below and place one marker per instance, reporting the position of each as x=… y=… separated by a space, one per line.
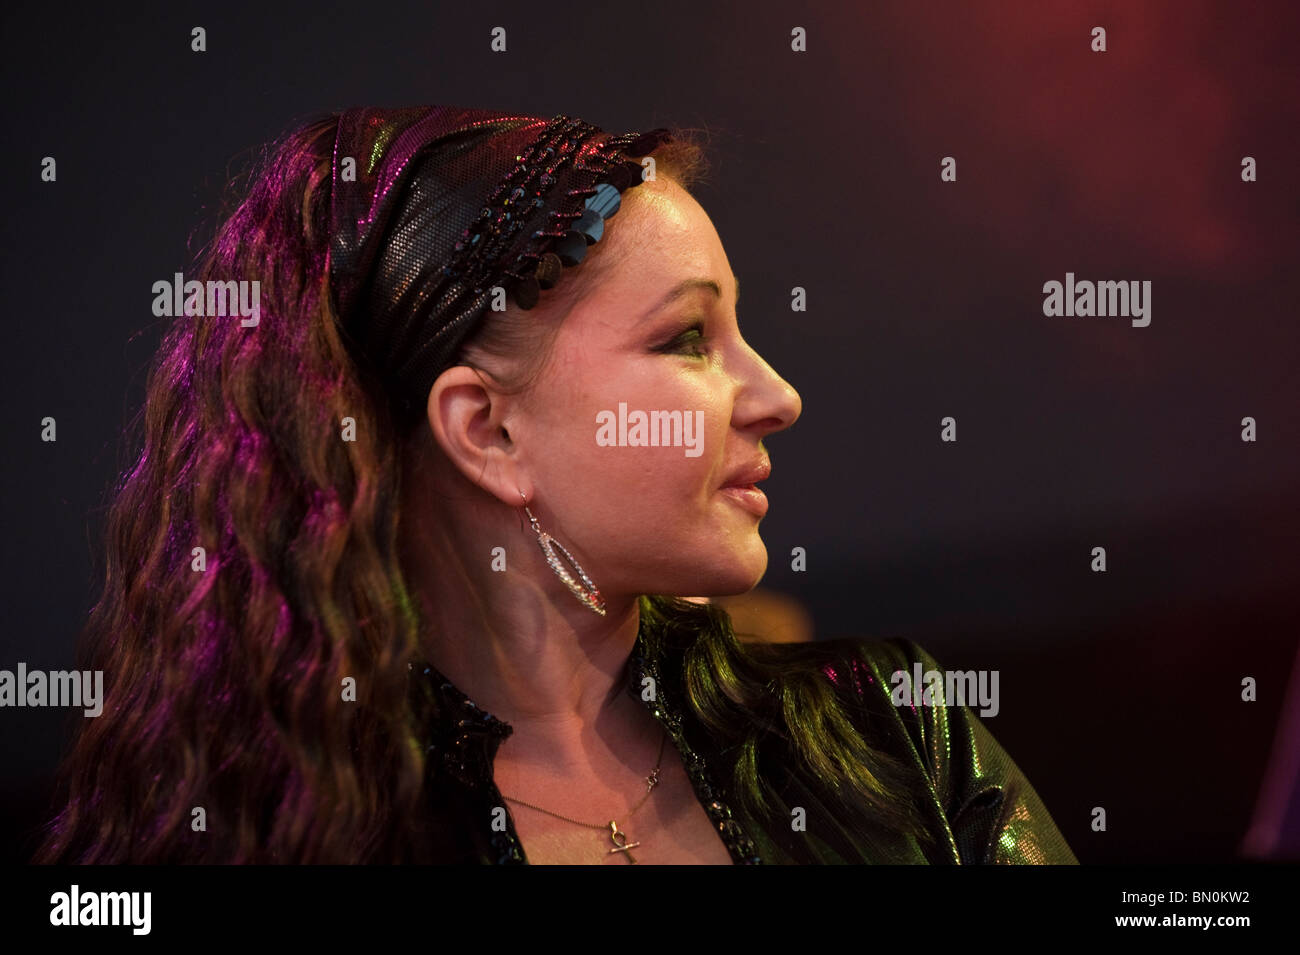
x=586 y=592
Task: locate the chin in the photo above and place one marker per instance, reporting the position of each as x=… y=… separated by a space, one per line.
x=739 y=576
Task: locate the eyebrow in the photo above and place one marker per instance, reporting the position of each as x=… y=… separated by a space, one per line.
x=689 y=285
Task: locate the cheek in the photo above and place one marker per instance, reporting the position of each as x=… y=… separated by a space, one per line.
x=672 y=471
x=678 y=474
x=623 y=485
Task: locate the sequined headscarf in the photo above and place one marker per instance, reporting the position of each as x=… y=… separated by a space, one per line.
x=434 y=206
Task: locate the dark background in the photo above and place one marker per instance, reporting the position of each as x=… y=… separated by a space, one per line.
x=1120 y=689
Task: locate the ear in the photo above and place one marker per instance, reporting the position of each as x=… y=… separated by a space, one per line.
x=468 y=419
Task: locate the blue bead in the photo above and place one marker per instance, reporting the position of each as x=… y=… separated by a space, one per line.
x=604 y=201
x=571 y=248
x=592 y=225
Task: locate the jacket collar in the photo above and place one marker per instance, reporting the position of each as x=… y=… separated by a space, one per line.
x=465 y=738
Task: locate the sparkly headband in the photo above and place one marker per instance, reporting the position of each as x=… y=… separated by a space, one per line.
x=432 y=207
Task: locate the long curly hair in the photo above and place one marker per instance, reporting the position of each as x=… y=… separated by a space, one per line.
x=253 y=576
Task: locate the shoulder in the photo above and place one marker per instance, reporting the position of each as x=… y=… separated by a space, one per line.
x=898 y=682
x=863 y=675
x=874 y=677
x=846 y=661
x=862 y=665
x=894 y=687
x=898 y=699
x=864 y=671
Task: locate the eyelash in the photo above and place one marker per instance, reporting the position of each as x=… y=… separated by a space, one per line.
x=681 y=342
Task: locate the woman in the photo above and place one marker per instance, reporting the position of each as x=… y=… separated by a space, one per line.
x=336 y=626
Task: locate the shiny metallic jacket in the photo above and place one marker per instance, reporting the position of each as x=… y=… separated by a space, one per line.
x=979 y=807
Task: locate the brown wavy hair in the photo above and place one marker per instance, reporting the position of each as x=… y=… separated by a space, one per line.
x=225 y=682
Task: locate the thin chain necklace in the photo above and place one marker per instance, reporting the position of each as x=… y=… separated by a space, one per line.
x=616 y=835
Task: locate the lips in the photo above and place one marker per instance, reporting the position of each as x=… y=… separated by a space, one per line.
x=741 y=486
x=749 y=497
x=751 y=474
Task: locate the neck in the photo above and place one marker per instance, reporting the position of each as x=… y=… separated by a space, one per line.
x=517 y=642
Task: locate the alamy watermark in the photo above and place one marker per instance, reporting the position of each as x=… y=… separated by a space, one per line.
x=213 y=299
x=951 y=687
x=1085 y=299
x=55 y=688
x=102 y=908
x=651 y=429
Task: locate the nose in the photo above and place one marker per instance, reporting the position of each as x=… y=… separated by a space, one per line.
x=767 y=402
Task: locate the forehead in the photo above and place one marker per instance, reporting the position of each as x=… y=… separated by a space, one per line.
x=659 y=236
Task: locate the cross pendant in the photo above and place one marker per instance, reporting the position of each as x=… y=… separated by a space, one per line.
x=619 y=838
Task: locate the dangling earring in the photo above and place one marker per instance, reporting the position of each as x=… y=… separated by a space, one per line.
x=589 y=595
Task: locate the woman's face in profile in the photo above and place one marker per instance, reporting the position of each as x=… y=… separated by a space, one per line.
x=651 y=519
